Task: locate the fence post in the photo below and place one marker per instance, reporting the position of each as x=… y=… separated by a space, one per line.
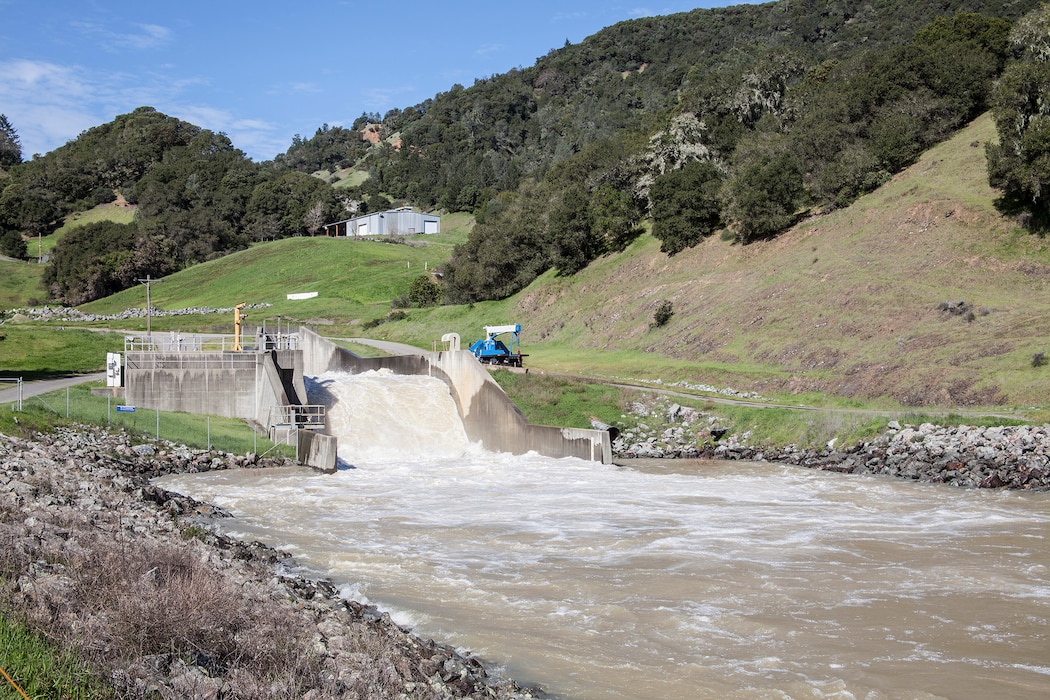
x=109 y=400
x=209 y=432
x=158 y=423
x=67 y=402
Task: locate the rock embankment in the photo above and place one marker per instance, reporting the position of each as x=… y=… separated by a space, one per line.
x=161 y=605
x=1013 y=457
x=69 y=314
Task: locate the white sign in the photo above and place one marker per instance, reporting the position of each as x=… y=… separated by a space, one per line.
x=114 y=369
x=302 y=295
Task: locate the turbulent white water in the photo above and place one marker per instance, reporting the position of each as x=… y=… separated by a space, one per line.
x=699 y=580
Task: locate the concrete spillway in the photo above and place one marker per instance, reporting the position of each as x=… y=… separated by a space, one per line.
x=250 y=384
x=489 y=417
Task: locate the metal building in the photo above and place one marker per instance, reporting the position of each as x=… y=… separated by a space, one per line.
x=396 y=222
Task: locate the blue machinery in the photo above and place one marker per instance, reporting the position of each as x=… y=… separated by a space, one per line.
x=493 y=351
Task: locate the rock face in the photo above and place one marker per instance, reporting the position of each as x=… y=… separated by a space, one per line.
x=162 y=606
x=1013 y=457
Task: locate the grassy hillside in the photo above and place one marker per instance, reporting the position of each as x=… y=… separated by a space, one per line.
x=119 y=212
x=20 y=282
x=355 y=279
x=845 y=304
x=841 y=310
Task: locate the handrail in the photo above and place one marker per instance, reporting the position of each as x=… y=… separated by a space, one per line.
x=140 y=360
x=309 y=416
x=20 y=383
x=197 y=342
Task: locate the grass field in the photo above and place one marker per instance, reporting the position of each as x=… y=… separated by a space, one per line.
x=40 y=352
x=77 y=404
x=20 y=283
x=41 y=669
x=354 y=279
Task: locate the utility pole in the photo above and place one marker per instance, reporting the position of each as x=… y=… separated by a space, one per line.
x=149 y=309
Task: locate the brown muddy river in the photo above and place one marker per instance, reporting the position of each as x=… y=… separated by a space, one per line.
x=656 y=580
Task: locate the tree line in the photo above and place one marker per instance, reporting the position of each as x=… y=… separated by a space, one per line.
x=735 y=121
x=197 y=197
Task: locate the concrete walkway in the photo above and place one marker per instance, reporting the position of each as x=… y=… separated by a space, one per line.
x=10 y=392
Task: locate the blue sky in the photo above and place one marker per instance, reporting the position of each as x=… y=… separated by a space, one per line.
x=264 y=71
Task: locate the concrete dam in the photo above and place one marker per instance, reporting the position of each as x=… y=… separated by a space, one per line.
x=265 y=385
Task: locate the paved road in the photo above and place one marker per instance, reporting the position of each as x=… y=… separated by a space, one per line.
x=386 y=346
x=10 y=393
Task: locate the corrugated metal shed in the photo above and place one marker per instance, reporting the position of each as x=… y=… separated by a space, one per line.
x=396 y=222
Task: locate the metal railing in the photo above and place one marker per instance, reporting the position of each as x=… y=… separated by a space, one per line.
x=208 y=342
x=141 y=360
x=18 y=381
x=309 y=417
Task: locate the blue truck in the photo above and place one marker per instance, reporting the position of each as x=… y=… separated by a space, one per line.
x=491 y=350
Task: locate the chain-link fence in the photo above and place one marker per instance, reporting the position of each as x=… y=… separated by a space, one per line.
x=231 y=435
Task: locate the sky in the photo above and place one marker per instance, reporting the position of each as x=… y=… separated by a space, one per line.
x=263 y=71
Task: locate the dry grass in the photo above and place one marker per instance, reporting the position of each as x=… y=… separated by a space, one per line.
x=127 y=604
x=101 y=564
x=846 y=303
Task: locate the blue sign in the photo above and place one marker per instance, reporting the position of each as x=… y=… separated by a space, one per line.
x=125 y=409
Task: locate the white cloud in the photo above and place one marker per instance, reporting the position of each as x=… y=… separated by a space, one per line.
x=139 y=37
x=258 y=138
x=47 y=104
x=50 y=104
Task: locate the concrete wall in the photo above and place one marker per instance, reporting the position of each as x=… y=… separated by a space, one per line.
x=231 y=384
x=489 y=416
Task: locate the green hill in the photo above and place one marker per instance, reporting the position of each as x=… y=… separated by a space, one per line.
x=845 y=304
x=354 y=279
x=21 y=283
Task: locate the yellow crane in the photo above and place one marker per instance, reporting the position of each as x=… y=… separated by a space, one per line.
x=237 y=318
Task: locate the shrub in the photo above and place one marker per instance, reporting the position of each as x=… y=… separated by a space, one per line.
x=662 y=315
x=424 y=292
x=1039 y=359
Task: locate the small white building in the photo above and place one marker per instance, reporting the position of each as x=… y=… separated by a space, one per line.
x=396 y=222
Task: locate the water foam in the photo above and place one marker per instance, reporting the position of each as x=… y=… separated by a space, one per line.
x=381 y=416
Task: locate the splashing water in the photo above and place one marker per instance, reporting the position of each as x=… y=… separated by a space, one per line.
x=690 y=579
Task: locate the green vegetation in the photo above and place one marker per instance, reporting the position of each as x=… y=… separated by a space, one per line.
x=77 y=404
x=41 y=669
x=20 y=284
x=772 y=112
x=573 y=402
x=562 y=400
x=38 y=352
x=1020 y=162
x=354 y=279
x=742 y=119
x=844 y=309
x=197 y=197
